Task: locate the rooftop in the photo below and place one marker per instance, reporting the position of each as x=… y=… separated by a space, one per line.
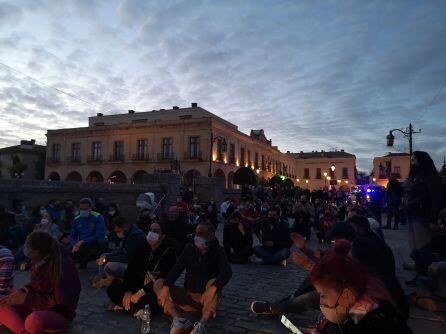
x=321 y=154
x=390 y=154
x=26 y=146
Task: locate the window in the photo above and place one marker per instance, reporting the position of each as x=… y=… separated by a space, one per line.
x=232 y=154
x=118 y=153
x=263 y=162
x=219 y=150
x=76 y=152
x=142 y=153
x=345 y=172
x=318 y=173
x=249 y=158
x=256 y=160
x=306 y=173
x=397 y=171
x=55 y=153
x=242 y=156
x=167 y=148
x=194 y=147
x=96 y=151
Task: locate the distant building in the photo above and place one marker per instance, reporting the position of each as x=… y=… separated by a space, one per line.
x=319 y=170
x=190 y=141
x=391 y=163
x=25 y=161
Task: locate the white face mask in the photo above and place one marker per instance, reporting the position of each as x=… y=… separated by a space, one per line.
x=200 y=242
x=336 y=314
x=111 y=212
x=44 y=221
x=152 y=238
x=120 y=235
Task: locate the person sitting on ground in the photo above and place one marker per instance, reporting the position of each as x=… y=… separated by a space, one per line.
x=237 y=239
x=250 y=213
x=212 y=212
x=207 y=272
x=110 y=216
x=87 y=234
x=112 y=265
x=151 y=261
x=46 y=225
x=48 y=303
x=275 y=238
x=349 y=301
x=6 y=272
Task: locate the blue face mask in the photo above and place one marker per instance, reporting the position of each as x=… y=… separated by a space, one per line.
x=84 y=213
x=200 y=242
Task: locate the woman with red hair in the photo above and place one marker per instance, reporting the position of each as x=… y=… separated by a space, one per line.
x=350 y=300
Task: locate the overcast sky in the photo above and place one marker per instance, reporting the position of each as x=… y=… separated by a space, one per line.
x=314 y=75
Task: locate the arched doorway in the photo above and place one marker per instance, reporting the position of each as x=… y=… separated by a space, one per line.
x=117 y=177
x=219 y=174
x=245 y=176
x=231 y=180
x=138 y=177
x=190 y=175
x=74 y=177
x=95 y=177
x=54 y=176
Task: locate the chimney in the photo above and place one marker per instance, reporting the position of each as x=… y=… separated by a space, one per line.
x=342 y=150
x=175 y=107
x=99 y=114
x=131 y=111
x=194 y=105
x=288 y=152
x=33 y=141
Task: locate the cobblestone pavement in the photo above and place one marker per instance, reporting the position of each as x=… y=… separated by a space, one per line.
x=249 y=282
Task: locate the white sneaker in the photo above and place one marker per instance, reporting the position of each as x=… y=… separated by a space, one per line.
x=180 y=326
x=199 y=329
x=283 y=263
x=255 y=259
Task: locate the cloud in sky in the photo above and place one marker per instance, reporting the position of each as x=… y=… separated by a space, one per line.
x=314 y=75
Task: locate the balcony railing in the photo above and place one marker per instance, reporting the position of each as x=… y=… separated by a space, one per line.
x=52 y=160
x=116 y=157
x=140 y=157
x=165 y=156
x=74 y=160
x=94 y=158
x=193 y=156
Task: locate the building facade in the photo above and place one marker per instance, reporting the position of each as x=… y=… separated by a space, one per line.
x=323 y=170
x=190 y=141
x=25 y=161
x=392 y=163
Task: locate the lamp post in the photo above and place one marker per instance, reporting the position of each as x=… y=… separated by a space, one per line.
x=223 y=149
x=325 y=179
x=408 y=132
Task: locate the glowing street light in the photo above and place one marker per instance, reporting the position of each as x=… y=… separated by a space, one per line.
x=333 y=167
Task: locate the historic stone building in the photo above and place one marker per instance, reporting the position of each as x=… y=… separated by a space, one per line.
x=391 y=163
x=189 y=141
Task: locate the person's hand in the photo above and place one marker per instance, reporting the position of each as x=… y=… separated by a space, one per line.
x=101 y=261
x=298 y=240
x=241 y=228
x=136 y=296
x=78 y=246
x=208 y=295
x=163 y=295
x=301 y=260
x=126 y=300
x=16 y=297
x=268 y=243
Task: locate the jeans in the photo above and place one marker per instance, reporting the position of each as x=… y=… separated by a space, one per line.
x=271 y=256
x=113 y=270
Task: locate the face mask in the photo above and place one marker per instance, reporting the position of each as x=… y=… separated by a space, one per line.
x=84 y=213
x=200 y=242
x=179 y=200
x=210 y=208
x=111 y=213
x=44 y=221
x=153 y=238
x=264 y=209
x=76 y=213
x=336 y=314
x=120 y=235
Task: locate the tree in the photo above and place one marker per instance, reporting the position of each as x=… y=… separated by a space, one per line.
x=17 y=168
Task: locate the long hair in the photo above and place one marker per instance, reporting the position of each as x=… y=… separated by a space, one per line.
x=48 y=248
x=425 y=165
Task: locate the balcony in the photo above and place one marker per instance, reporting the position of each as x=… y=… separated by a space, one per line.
x=166 y=156
x=94 y=158
x=116 y=158
x=193 y=156
x=52 y=160
x=141 y=157
x=74 y=160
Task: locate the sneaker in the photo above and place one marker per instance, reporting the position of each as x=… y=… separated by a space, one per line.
x=199 y=328
x=259 y=307
x=255 y=259
x=283 y=263
x=180 y=326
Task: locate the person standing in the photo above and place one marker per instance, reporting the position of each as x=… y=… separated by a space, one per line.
x=394 y=193
x=237 y=239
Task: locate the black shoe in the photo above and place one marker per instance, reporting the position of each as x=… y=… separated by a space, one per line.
x=259 y=307
x=412 y=282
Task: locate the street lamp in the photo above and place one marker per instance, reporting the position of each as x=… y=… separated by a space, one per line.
x=408 y=132
x=333 y=167
x=325 y=179
x=223 y=149
x=374 y=179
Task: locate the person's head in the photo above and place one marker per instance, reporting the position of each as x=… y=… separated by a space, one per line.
x=235 y=218
x=342 y=231
x=42 y=211
x=112 y=210
x=85 y=207
x=360 y=224
x=122 y=227
x=421 y=164
x=179 y=199
x=156 y=235
x=274 y=213
x=204 y=233
x=442 y=218
x=303 y=199
x=40 y=246
x=46 y=218
x=340 y=281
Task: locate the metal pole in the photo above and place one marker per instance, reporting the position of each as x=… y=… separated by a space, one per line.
x=410 y=140
x=210 y=155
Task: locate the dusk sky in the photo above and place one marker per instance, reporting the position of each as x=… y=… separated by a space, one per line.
x=316 y=75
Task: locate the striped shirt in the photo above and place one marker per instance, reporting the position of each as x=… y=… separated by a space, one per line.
x=6 y=271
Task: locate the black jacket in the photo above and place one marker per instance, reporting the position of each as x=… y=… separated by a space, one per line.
x=233 y=238
x=200 y=268
x=278 y=233
x=134 y=239
x=144 y=259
